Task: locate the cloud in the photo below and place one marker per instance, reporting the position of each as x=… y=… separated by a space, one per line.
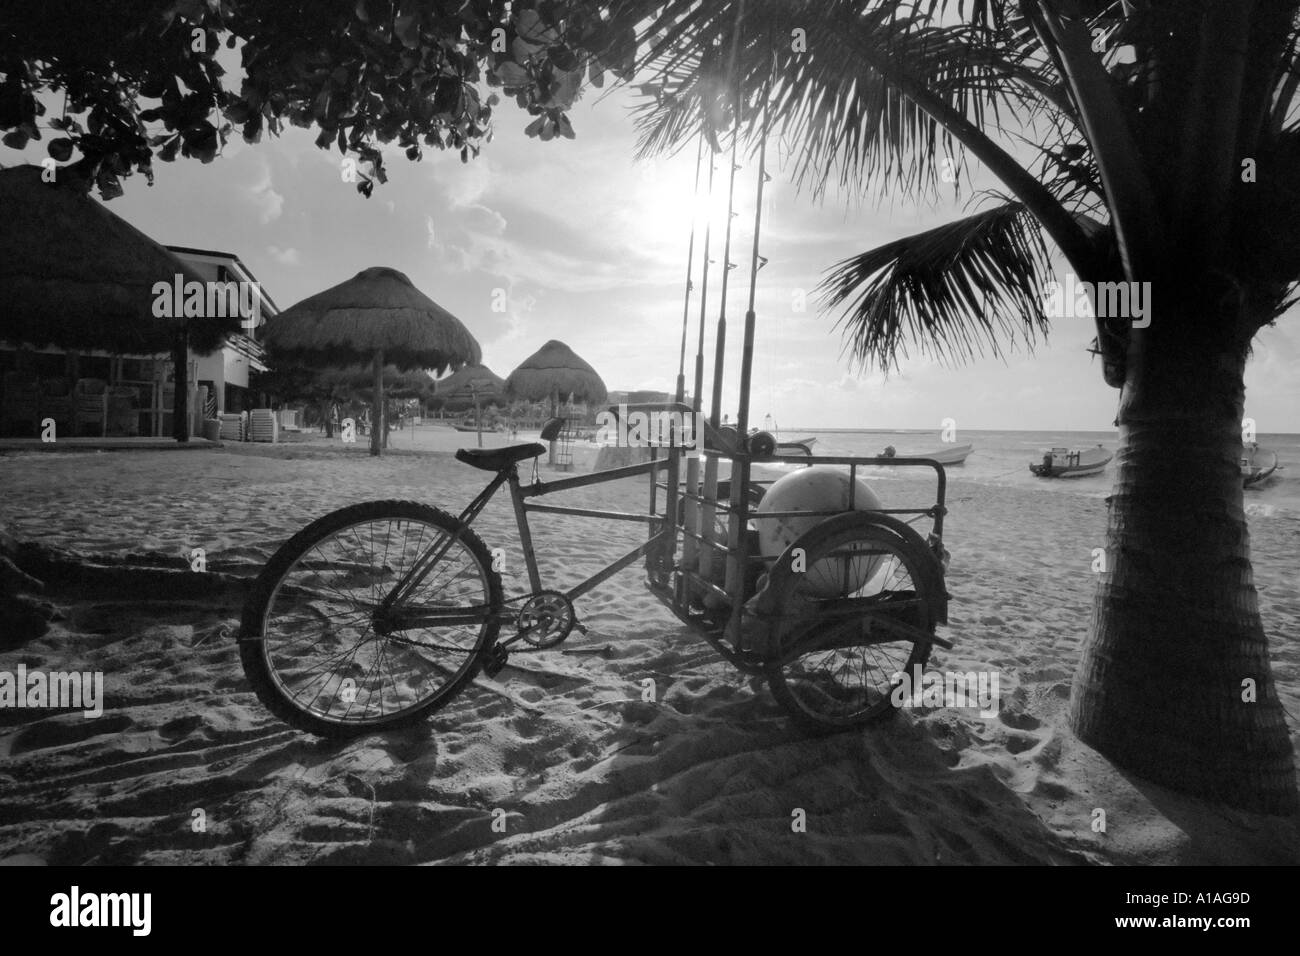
x=286 y=257
x=269 y=202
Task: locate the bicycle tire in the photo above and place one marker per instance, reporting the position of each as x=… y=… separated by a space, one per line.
x=808 y=701
x=257 y=653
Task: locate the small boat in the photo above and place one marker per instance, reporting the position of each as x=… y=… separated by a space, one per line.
x=461 y=427
x=950 y=455
x=1072 y=463
x=1256 y=464
x=796 y=446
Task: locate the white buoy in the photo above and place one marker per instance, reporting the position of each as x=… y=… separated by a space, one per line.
x=821 y=488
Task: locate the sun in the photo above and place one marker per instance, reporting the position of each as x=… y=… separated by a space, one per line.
x=665 y=205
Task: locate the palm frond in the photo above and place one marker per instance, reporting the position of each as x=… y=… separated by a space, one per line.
x=829 y=72
x=952 y=291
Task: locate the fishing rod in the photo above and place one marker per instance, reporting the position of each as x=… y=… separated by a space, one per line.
x=736 y=553
x=709 y=508
x=697 y=396
x=690 y=545
x=690 y=265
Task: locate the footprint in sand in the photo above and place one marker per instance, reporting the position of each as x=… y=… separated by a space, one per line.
x=1019 y=720
x=61 y=731
x=180 y=728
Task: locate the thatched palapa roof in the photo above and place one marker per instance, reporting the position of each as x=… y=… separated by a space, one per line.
x=454 y=392
x=414 y=383
x=75 y=275
x=457 y=384
x=555 y=369
x=378 y=308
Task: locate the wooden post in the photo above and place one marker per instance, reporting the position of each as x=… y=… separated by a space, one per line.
x=181 y=386
x=377 y=424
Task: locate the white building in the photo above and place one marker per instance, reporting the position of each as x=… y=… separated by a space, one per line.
x=225 y=371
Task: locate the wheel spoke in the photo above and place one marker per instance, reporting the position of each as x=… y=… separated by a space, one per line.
x=324 y=622
x=838 y=669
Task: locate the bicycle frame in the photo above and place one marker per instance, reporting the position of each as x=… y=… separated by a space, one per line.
x=519 y=495
x=664 y=530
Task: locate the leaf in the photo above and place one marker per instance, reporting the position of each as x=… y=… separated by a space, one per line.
x=565 y=87
x=521 y=49
x=535 y=127
x=529 y=25
x=407 y=28
x=320 y=107
x=597 y=73
x=60 y=149
x=360 y=11
x=566 y=128
x=512 y=74
x=237 y=112
x=109 y=187
x=16 y=139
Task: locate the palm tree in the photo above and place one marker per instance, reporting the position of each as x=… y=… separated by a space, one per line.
x=1163 y=147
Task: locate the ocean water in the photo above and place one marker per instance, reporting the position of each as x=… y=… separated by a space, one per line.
x=1003 y=458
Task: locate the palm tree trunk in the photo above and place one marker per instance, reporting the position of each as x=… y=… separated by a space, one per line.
x=377 y=405
x=1174 y=683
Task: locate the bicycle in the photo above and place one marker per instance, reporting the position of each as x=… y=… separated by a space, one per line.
x=378 y=614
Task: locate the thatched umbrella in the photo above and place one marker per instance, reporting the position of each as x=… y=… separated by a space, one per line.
x=397 y=383
x=474 y=384
x=552 y=371
x=470 y=381
x=379 y=317
x=76 y=276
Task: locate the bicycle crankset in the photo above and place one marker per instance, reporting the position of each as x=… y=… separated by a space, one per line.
x=545 y=619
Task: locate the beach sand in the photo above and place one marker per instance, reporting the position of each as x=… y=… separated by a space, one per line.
x=559 y=759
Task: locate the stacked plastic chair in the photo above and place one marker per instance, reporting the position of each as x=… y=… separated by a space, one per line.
x=90 y=406
x=56 y=403
x=263 y=426
x=233 y=425
x=122 y=418
x=21 y=403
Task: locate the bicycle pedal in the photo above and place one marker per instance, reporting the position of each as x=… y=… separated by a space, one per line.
x=495 y=661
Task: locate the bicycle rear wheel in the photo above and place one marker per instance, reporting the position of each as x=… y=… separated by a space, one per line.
x=867 y=607
x=324 y=655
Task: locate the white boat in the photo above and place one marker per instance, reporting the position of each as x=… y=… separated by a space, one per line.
x=1256 y=464
x=1072 y=463
x=796 y=446
x=949 y=454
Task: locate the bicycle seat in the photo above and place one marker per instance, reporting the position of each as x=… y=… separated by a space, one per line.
x=494 y=459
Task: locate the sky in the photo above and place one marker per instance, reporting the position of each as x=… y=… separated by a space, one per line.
x=577 y=241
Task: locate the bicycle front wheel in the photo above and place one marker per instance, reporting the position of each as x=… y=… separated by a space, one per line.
x=328 y=654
